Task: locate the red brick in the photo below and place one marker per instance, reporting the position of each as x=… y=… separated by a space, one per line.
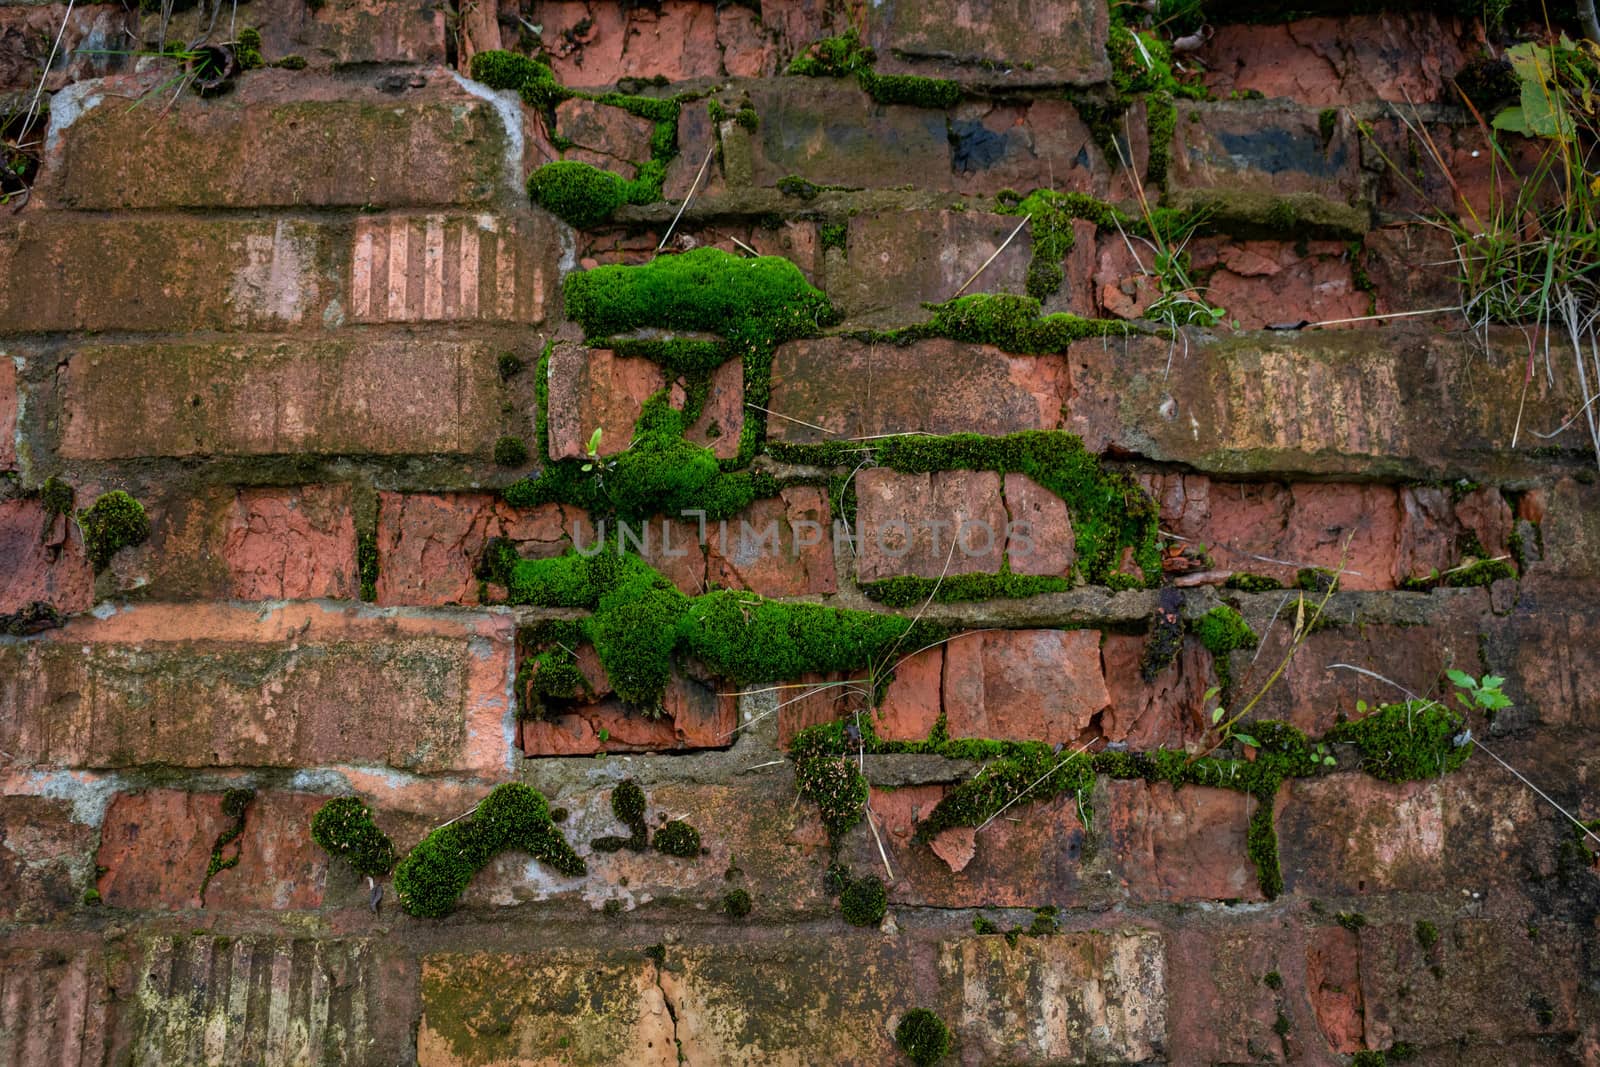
x=1400 y=57
x=9 y=402
x=696 y=716
x=58 y=1002
x=1262 y=283
x=914 y=699
x=896 y=261
x=1263 y=148
x=721 y=422
x=1181 y=845
x=604 y=136
x=215 y=686
x=947 y=522
x=591 y=388
x=280 y=139
x=45 y=856
x=1006 y=43
x=1167 y=712
x=1569 y=529
x=801 y=560
x=1333 y=978
x=292 y=544
x=1350 y=833
x=1412 y=183
x=1218 y=1008
x=1039 y=536
x=360 y=397
x=164 y=273
x=833 y=387
x=155 y=848
x=1024 y=146
x=1034 y=685
x=814 y=698
x=45 y=560
x=595 y=49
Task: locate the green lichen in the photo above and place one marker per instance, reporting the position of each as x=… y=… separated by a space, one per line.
x=115 y=521
x=864 y=901
x=235 y=802
x=922 y=1036
x=344 y=828
x=908 y=590
x=431 y=878
x=678 y=838
x=911 y=90
x=628 y=805
x=510 y=452
x=1406 y=742
x=1427 y=934
x=1328 y=123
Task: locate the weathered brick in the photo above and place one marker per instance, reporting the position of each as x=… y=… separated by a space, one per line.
x=1035 y=685
x=695 y=716
x=1333 y=981
x=915 y=697
x=1350 y=833
x=1009 y=43
x=834 y=387
x=1219 y=1009
x=1400 y=57
x=360 y=396
x=10 y=400
x=45 y=857
x=155 y=848
x=281 y=139
x=57 y=1005
x=796 y=561
x=1039 y=537
x=45 y=560
x=1165 y=712
x=82 y=272
x=1084 y=997
x=946 y=522
x=1271 y=149
x=897 y=261
x=594 y=389
x=830 y=132
x=1176 y=845
x=1265 y=283
x=210 y=685
x=604 y=136
x=1037 y=145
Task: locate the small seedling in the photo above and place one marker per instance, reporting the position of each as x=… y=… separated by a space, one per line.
x=1481 y=693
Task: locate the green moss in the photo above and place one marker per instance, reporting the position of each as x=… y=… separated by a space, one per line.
x=907 y=590
x=235 y=803
x=1351 y=920
x=499 y=559
x=114 y=522
x=554 y=676
x=1482 y=573
x=1369 y=1059
x=833 y=235
x=1315 y=579
x=583 y=195
x=922 y=1036
x=678 y=838
x=91 y=898
x=293 y=61
x=837 y=788
x=367 y=564
x=1427 y=934
x=1163 y=125
x=1165 y=640
x=1140 y=62
x=798 y=187
x=1252 y=583
x=56 y=496
x=1407 y=742
x=982 y=926
x=534 y=81
x=864 y=902
x=430 y=879
x=1009 y=322
x=344 y=828
x=247 y=49
x=628 y=805
x=1328 y=123
x=736 y=903
x=911 y=90
x=510 y=452
x=509 y=365
x=1223 y=630
x=1051 y=215
x=1033 y=772
x=833 y=57
x=1261 y=843
x=1272 y=980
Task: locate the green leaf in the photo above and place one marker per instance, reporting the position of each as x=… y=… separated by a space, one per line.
x=1492 y=681
x=1513 y=120
x=1463 y=679
x=1216 y=716
x=1246 y=739
x=594 y=441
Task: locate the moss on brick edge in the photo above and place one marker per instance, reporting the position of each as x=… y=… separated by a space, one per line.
x=344 y=828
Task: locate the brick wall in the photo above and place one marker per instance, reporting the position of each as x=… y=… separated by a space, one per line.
x=351 y=373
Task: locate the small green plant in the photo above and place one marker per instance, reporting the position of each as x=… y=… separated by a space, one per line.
x=922 y=1036
x=1482 y=694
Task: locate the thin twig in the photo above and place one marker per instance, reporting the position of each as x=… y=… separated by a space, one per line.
x=689 y=196
x=791 y=418
x=996 y=255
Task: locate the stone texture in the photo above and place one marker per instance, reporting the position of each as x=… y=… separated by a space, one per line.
x=1004 y=43
x=1035 y=685
x=216 y=686
x=852 y=388
x=1039 y=536
x=282 y=139
x=45 y=560
x=895 y=261
x=292 y=545
x=796 y=561
x=131 y=273
x=1254 y=147
x=57 y=1005
x=10 y=400
x=1181 y=845
x=1219 y=1009
x=696 y=716
x=830 y=132
x=264 y=398
x=947 y=522
x=1095 y=996
x=155 y=847
x=1333 y=979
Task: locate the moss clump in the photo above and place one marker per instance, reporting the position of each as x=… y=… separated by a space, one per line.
x=367 y=564
x=1009 y=322
x=1252 y=583
x=1163 y=126
x=678 y=838
x=1033 y=771
x=1369 y=1059
x=534 y=81
x=432 y=876
x=911 y=90
x=628 y=805
x=343 y=827
x=580 y=194
x=56 y=496
x=798 y=187
x=908 y=590
x=497 y=562
x=922 y=1036
x=981 y=925
x=1165 y=641
x=294 y=61
x=1315 y=579
x=1328 y=123
x=235 y=802
x=1407 y=742
x=1272 y=980
x=509 y=364
x=837 y=788
x=736 y=903
x=1051 y=215
x=1261 y=843
x=1351 y=920
x=91 y=898
x=1427 y=934
x=510 y=452
x=833 y=57
x=844 y=55
x=833 y=235
x=247 y=49
x=114 y=522
x=864 y=901
x=1223 y=629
